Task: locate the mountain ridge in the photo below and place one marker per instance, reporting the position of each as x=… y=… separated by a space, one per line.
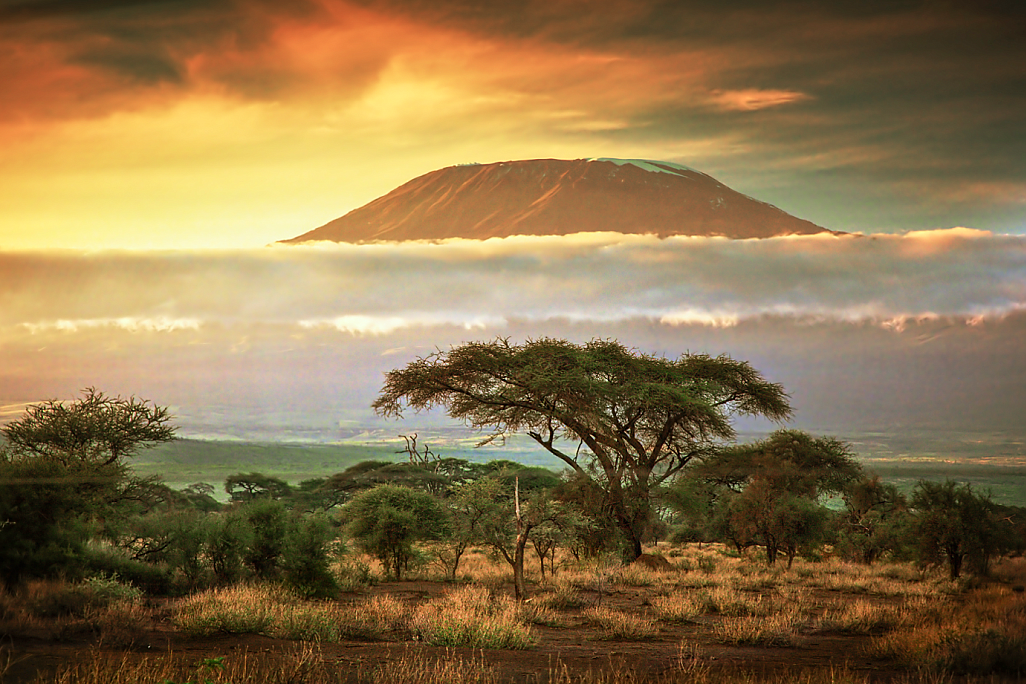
x=560 y=197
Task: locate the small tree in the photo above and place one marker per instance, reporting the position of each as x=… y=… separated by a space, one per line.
x=306 y=558
x=245 y=487
x=229 y=534
x=268 y=520
x=777 y=521
x=64 y=463
x=505 y=522
x=873 y=522
x=953 y=524
x=776 y=484
x=386 y=522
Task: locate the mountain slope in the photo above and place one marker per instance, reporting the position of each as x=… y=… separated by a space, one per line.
x=556 y=197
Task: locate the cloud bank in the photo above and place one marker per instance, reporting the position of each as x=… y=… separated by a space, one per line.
x=923 y=329
x=377 y=289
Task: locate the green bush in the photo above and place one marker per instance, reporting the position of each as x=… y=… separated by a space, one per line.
x=268 y=521
x=228 y=536
x=151 y=578
x=387 y=520
x=305 y=561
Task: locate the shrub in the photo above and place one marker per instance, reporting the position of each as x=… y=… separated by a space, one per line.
x=387 y=520
x=228 y=535
x=268 y=521
x=305 y=563
x=354 y=576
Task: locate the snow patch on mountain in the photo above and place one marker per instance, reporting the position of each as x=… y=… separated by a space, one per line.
x=649 y=165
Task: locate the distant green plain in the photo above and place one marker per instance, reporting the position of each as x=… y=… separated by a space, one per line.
x=187 y=461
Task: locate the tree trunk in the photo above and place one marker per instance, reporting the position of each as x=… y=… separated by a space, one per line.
x=632 y=536
x=519 y=586
x=955 y=564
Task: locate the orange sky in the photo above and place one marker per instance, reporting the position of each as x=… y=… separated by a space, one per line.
x=217 y=123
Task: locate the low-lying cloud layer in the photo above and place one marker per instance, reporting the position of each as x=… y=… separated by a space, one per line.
x=922 y=330
x=376 y=289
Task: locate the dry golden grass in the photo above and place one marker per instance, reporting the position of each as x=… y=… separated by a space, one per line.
x=411 y=668
x=916 y=618
x=985 y=634
x=780 y=628
x=561 y=595
x=621 y=626
x=472 y=616
x=274 y=612
x=679 y=606
x=306 y=665
x=103 y=609
x=862 y=616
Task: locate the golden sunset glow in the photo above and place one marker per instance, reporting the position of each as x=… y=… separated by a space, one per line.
x=239 y=123
x=151 y=153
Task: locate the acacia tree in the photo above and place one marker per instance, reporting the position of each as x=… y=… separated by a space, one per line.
x=953 y=524
x=96 y=429
x=774 y=486
x=387 y=520
x=64 y=462
x=636 y=419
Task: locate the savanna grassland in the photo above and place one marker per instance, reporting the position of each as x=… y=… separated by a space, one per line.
x=662 y=552
x=708 y=615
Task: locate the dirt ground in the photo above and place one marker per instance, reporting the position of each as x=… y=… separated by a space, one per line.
x=579 y=646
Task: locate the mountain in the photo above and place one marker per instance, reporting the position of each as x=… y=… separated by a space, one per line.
x=557 y=197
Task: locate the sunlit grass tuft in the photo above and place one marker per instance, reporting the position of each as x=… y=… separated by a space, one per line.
x=618 y=625
x=471 y=616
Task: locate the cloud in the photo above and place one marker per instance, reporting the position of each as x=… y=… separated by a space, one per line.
x=377 y=289
x=922 y=329
x=752 y=99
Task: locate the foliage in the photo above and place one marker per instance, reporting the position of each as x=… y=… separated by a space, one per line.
x=63 y=466
x=96 y=429
x=370 y=474
x=639 y=418
x=268 y=520
x=200 y=495
x=766 y=493
x=874 y=521
x=245 y=487
x=306 y=560
x=789 y=460
x=228 y=536
x=502 y=521
x=175 y=536
x=953 y=524
x=387 y=520
x=779 y=522
x=592 y=531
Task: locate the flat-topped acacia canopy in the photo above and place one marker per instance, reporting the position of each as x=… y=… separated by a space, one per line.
x=637 y=419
